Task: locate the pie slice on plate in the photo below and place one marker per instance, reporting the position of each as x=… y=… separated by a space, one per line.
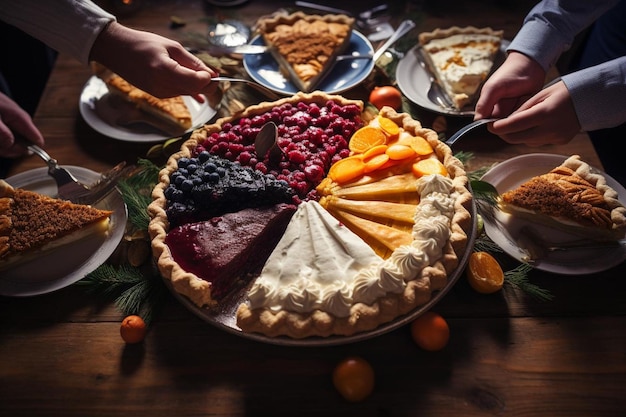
x=305 y=46
x=172 y=113
x=32 y=224
x=571 y=197
x=461 y=59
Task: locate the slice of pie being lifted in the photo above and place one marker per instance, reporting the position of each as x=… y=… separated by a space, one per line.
x=461 y=59
x=32 y=224
x=571 y=197
x=305 y=46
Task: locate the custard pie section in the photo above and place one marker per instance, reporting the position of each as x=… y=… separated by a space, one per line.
x=305 y=46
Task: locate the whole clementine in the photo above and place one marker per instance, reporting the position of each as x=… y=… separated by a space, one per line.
x=386 y=95
x=353 y=377
x=133 y=329
x=430 y=331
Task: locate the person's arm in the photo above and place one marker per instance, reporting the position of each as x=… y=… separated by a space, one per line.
x=599 y=94
x=67 y=26
x=550 y=27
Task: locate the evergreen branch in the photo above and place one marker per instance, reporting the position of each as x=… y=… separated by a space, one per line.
x=518 y=278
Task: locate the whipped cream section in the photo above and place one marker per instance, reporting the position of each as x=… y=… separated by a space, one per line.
x=319 y=264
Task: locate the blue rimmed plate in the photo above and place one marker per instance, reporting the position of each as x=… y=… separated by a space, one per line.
x=264 y=69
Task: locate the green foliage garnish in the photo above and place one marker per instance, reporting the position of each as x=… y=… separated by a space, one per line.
x=134 y=292
x=518 y=278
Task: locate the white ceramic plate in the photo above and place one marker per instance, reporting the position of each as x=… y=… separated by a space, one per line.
x=73 y=262
x=506 y=229
x=264 y=69
x=95 y=88
x=414 y=82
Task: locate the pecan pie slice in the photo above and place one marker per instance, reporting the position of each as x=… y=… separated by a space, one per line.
x=305 y=46
x=571 y=197
x=32 y=223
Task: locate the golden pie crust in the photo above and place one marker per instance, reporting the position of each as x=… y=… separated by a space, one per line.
x=418 y=290
x=305 y=46
x=461 y=76
x=572 y=197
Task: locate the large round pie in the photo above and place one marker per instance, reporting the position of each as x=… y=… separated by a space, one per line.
x=332 y=230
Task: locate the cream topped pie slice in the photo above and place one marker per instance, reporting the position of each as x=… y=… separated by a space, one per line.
x=305 y=46
x=32 y=224
x=461 y=59
x=572 y=197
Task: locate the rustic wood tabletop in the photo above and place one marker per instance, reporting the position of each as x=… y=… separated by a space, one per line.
x=509 y=354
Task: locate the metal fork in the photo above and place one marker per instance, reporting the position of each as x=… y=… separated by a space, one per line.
x=259 y=87
x=459 y=133
x=68 y=187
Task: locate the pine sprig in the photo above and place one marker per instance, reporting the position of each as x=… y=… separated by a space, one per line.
x=518 y=278
x=133 y=291
x=136 y=191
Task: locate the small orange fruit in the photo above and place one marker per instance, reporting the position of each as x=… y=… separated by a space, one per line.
x=386 y=95
x=353 y=377
x=366 y=138
x=133 y=329
x=347 y=169
x=484 y=273
x=430 y=331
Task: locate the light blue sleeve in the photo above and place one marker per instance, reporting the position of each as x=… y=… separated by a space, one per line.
x=599 y=94
x=550 y=27
x=68 y=26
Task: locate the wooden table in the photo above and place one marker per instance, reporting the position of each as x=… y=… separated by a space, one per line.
x=509 y=355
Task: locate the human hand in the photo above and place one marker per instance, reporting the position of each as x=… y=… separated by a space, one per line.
x=158 y=65
x=515 y=81
x=15 y=121
x=548 y=117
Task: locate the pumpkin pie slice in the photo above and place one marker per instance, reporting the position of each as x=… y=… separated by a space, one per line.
x=461 y=59
x=32 y=224
x=572 y=197
x=305 y=46
x=172 y=113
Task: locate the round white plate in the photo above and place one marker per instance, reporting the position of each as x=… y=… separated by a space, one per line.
x=70 y=263
x=95 y=88
x=414 y=82
x=264 y=69
x=504 y=231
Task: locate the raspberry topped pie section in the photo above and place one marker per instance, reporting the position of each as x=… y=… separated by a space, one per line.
x=305 y=46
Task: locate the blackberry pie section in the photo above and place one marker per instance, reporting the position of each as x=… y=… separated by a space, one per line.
x=315 y=241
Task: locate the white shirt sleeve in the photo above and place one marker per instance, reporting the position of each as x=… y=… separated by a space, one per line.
x=67 y=26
